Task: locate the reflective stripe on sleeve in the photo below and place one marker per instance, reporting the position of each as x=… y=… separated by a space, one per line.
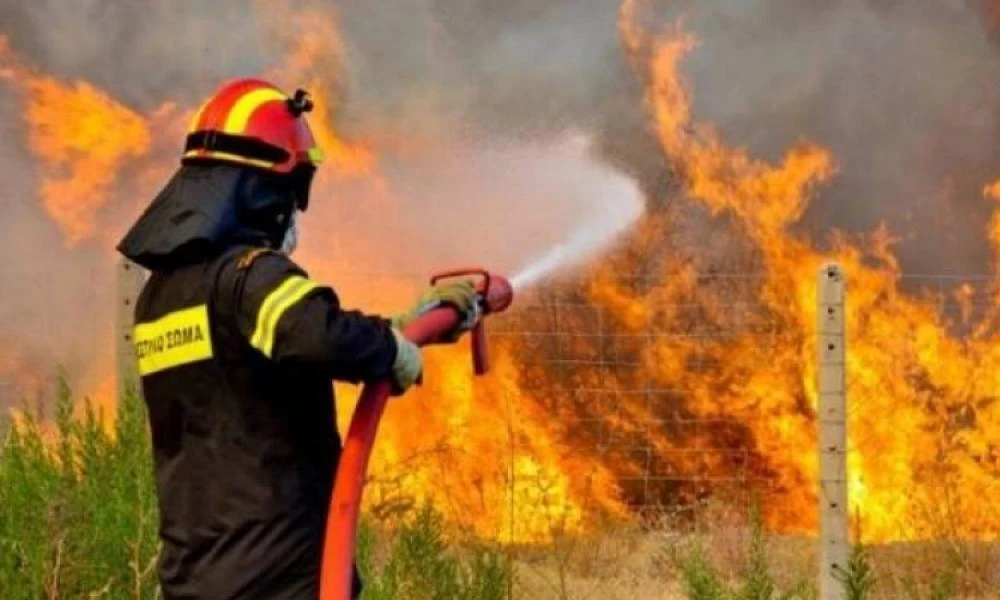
x=274 y=306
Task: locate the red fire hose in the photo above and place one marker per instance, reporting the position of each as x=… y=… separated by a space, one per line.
x=495 y=295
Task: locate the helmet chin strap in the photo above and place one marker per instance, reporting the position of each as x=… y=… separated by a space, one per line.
x=291 y=239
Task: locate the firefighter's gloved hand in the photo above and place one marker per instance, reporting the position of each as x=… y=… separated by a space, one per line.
x=462 y=295
x=408 y=366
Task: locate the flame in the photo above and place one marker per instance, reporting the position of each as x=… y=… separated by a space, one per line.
x=483 y=451
x=316 y=60
x=6 y=55
x=20 y=382
x=991 y=8
x=84 y=139
x=922 y=401
x=992 y=191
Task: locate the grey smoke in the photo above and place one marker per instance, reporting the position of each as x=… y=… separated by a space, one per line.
x=905 y=95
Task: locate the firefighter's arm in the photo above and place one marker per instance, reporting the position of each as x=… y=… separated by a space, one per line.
x=292 y=319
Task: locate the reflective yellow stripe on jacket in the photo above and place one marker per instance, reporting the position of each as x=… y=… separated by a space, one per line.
x=274 y=306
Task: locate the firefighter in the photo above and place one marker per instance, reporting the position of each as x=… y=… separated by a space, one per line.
x=237 y=350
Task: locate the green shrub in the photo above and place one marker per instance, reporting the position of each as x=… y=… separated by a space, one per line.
x=943 y=586
x=78 y=519
x=703 y=581
x=858 y=578
x=420 y=565
x=78 y=515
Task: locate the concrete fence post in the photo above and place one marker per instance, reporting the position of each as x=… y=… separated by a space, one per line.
x=129 y=279
x=832 y=409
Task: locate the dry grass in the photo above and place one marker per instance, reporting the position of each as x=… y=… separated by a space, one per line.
x=643 y=569
x=87 y=530
x=622 y=565
x=630 y=563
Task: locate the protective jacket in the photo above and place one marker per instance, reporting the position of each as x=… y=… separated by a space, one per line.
x=237 y=350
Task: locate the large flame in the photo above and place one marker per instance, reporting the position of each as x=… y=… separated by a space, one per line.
x=691 y=385
x=84 y=140
x=922 y=400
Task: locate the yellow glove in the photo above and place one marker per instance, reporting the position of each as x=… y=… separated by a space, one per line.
x=408 y=367
x=460 y=294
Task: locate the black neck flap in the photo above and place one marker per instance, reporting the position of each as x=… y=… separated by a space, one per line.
x=202 y=210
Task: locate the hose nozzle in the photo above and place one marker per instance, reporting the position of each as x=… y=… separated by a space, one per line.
x=496 y=295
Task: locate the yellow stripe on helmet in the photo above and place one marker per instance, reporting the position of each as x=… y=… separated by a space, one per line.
x=239 y=115
x=274 y=307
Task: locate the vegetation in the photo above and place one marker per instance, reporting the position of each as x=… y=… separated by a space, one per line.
x=77 y=506
x=78 y=519
x=702 y=579
x=763 y=569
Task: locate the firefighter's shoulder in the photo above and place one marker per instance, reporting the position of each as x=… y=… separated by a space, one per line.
x=249 y=274
x=263 y=289
x=262 y=262
x=248 y=256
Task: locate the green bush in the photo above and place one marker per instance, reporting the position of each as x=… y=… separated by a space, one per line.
x=703 y=581
x=78 y=519
x=78 y=514
x=420 y=565
x=858 y=578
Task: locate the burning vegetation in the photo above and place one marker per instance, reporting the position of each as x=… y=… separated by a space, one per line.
x=678 y=367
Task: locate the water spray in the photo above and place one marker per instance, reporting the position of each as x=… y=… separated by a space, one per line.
x=583 y=242
x=587 y=239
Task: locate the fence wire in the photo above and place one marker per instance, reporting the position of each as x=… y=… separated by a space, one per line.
x=637 y=393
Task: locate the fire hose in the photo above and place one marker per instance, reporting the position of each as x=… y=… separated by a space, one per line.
x=495 y=295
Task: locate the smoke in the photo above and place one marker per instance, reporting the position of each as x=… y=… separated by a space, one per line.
x=142 y=52
x=511 y=68
x=501 y=70
x=902 y=93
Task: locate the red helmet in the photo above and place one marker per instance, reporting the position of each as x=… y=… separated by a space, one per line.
x=251 y=122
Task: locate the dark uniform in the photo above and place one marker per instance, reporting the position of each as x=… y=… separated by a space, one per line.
x=236 y=356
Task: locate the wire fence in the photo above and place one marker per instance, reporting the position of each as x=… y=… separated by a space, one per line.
x=687 y=403
x=705 y=400
x=673 y=443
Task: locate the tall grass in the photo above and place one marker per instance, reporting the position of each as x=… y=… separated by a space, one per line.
x=77 y=506
x=78 y=519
